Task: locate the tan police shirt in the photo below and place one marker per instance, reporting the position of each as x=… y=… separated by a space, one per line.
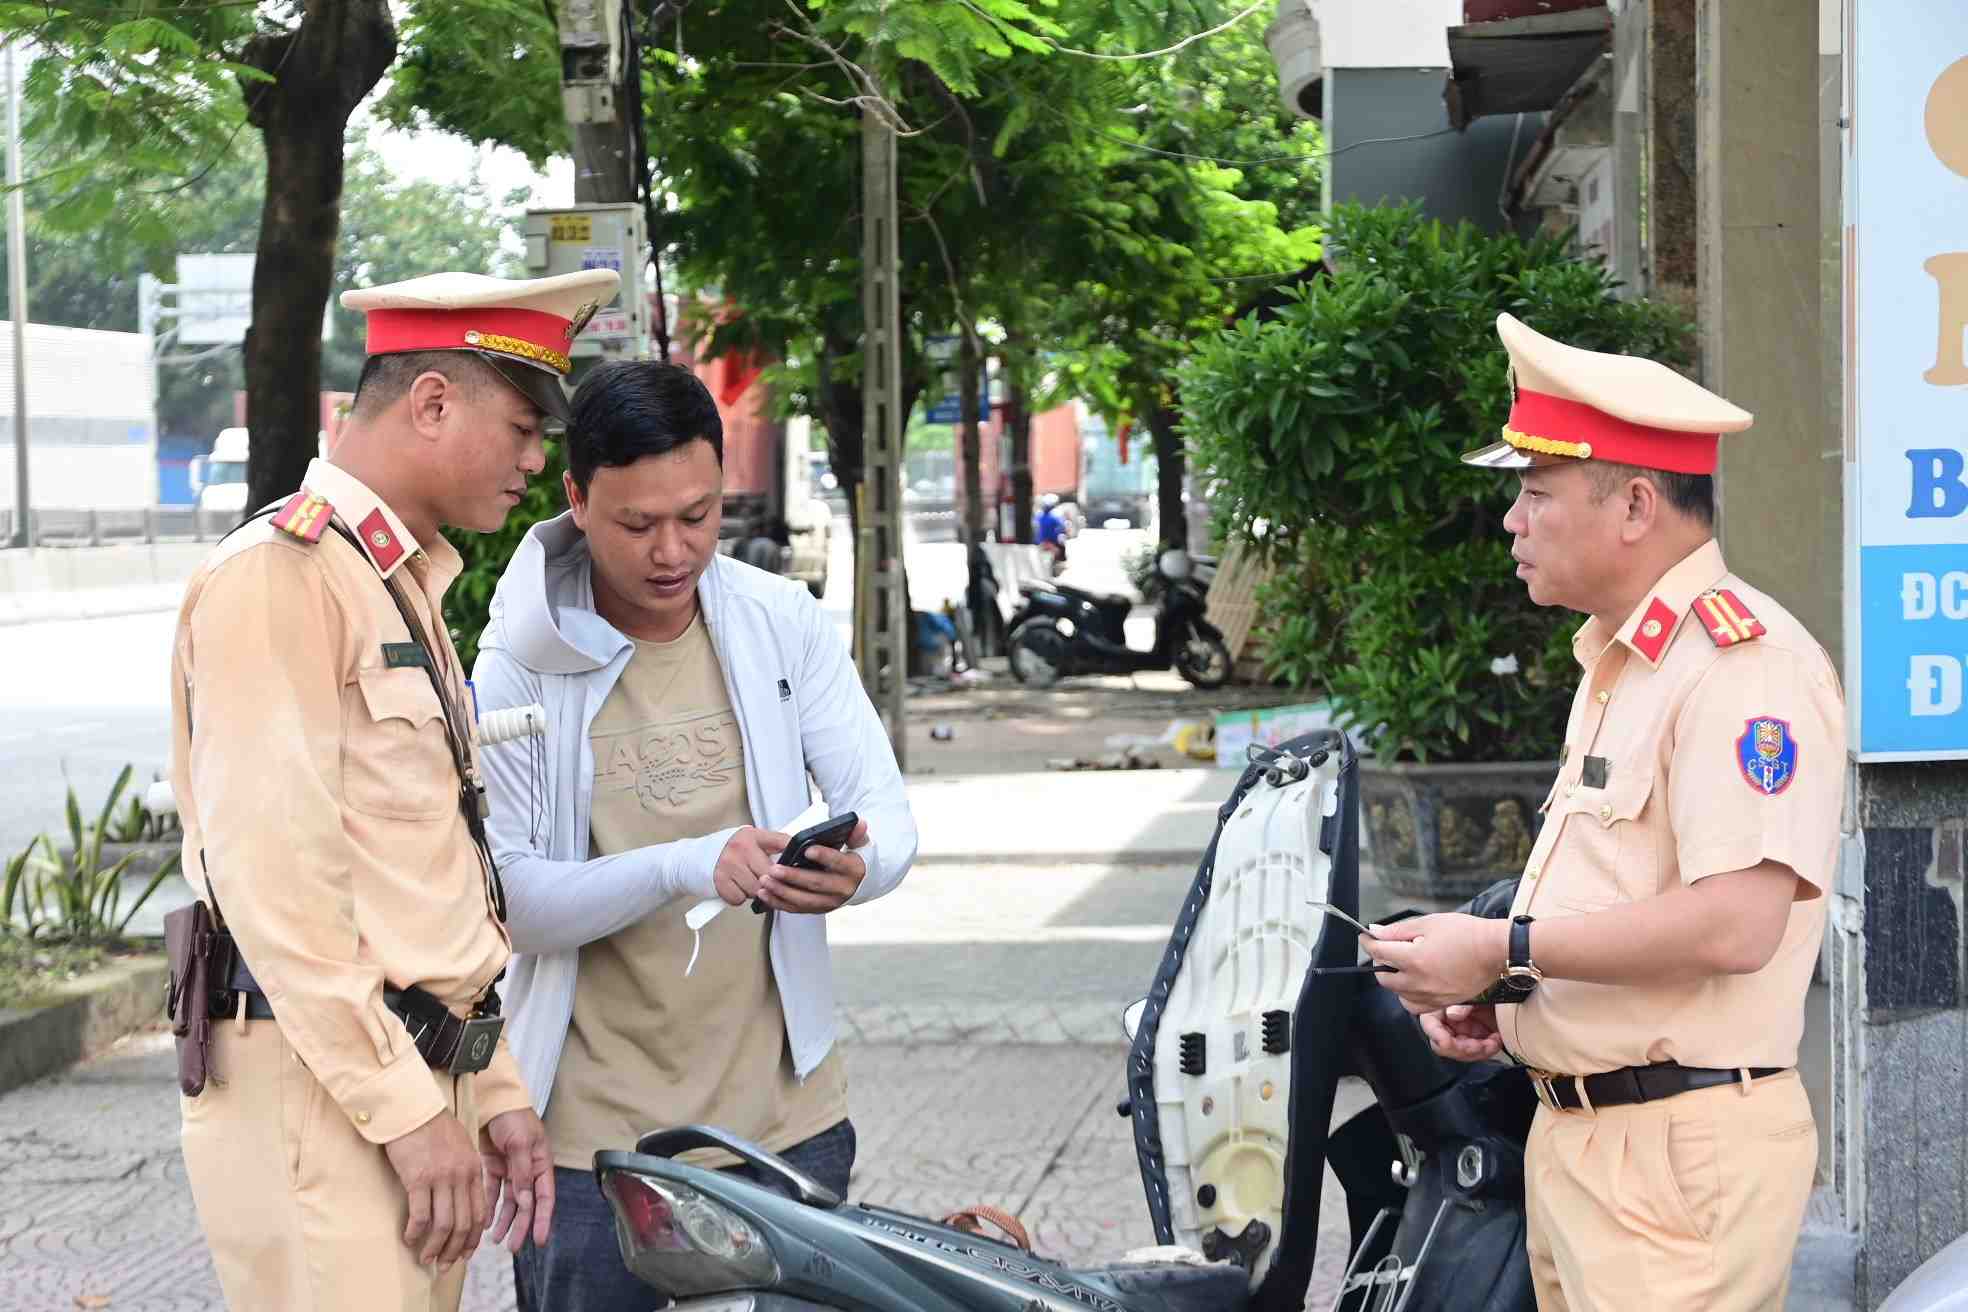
x=651 y=1047
x=1707 y=736
x=319 y=798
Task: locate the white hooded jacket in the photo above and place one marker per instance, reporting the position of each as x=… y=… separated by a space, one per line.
x=800 y=707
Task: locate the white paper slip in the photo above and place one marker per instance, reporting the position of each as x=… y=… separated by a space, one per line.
x=1332 y=910
x=696 y=918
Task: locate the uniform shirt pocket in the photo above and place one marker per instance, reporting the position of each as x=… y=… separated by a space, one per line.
x=1608 y=852
x=395 y=759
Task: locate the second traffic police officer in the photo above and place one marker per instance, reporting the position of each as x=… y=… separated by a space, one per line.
x=1662 y=938
x=322 y=758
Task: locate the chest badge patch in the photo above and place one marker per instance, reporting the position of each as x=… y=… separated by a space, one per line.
x=1767 y=754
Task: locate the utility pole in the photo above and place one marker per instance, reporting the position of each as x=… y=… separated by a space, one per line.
x=17 y=297
x=881 y=608
x=594 y=69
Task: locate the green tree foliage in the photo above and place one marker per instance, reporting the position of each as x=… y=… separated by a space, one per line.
x=392 y=228
x=1332 y=430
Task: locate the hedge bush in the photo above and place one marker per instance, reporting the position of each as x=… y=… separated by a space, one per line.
x=1331 y=430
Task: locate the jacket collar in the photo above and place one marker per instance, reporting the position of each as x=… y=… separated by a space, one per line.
x=544 y=607
x=1650 y=629
x=382 y=535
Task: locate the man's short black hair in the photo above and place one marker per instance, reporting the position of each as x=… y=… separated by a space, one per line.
x=385 y=378
x=1691 y=494
x=628 y=409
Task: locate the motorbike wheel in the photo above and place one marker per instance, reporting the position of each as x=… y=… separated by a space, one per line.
x=1037 y=653
x=1203 y=661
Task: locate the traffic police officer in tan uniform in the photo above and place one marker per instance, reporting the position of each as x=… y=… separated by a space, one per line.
x=1653 y=972
x=322 y=760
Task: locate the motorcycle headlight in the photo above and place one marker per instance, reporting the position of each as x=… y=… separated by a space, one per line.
x=679 y=1241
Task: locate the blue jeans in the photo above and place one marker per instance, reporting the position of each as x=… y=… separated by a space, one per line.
x=581 y=1269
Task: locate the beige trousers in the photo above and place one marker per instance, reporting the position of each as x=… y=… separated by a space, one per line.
x=1693 y=1201
x=302 y=1213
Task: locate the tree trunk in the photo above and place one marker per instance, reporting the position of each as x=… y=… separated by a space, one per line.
x=1171 y=465
x=1018 y=423
x=323 y=69
x=972 y=439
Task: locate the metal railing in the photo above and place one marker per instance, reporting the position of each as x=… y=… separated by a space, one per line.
x=96 y=528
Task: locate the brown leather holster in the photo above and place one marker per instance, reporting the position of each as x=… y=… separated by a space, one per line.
x=200 y=952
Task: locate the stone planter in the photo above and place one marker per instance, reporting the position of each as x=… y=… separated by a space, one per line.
x=1446 y=832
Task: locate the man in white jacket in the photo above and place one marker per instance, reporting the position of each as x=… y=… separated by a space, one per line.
x=688 y=697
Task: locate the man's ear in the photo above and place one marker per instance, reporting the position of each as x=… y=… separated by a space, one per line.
x=575 y=501
x=1643 y=509
x=431 y=397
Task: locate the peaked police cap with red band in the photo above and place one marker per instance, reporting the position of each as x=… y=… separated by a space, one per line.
x=524 y=328
x=1571 y=404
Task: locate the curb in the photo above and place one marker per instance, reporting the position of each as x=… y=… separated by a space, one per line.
x=42 y=608
x=96 y=1011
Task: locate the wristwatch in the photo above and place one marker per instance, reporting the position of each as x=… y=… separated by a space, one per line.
x=1520 y=974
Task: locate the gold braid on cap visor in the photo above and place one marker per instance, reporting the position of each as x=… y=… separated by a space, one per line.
x=1547 y=446
x=520 y=347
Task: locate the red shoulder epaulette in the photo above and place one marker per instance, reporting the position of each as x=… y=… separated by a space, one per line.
x=1727 y=620
x=305 y=516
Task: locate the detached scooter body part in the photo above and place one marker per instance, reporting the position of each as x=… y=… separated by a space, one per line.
x=1258 y=1008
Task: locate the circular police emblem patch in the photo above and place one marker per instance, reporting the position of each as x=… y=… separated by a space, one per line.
x=379 y=538
x=1767 y=754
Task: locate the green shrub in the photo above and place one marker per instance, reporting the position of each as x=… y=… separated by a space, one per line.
x=1332 y=430
x=72 y=897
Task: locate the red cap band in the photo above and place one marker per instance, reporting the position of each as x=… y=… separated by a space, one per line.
x=1555 y=420
x=524 y=334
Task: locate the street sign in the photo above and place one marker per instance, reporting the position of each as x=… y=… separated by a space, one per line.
x=597 y=237
x=1906 y=380
x=215 y=298
x=947 y=408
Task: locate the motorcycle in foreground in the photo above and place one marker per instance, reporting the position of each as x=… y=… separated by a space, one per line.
x=1256 y=1011
x=1063 y=630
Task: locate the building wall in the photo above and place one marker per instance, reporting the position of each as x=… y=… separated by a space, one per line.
x=1385 y=33
x=1455 y=176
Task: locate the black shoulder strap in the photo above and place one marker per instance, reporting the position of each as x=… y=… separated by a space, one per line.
x=471 y=794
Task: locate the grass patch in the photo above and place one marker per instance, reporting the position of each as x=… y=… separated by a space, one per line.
x=30 y=971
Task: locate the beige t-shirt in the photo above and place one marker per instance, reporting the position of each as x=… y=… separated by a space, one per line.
x=1707 y=736
x=651 y=1048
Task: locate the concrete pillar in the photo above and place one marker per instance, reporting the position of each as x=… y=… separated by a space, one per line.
x=1757 y=214
x=1671 y=138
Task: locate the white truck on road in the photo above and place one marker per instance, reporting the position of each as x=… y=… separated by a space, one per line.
x=218 y=479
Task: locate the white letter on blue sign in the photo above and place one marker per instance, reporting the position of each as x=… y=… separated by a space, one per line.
x=1917 y=596
x=1935 y=685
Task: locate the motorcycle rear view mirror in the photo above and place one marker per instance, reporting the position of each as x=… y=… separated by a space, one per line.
x=1131 y=1018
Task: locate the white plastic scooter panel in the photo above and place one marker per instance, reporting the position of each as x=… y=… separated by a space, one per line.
x=1224 y=1131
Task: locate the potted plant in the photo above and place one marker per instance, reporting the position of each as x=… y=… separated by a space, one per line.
x=1332 y=425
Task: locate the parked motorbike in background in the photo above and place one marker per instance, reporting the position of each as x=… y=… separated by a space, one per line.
x=1061 y=631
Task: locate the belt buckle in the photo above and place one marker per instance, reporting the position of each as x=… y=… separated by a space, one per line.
x=1541 y=1086
x=476 y=1044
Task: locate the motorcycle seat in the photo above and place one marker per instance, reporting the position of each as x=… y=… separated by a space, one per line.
x=1171 y=1286
x=1102 y=599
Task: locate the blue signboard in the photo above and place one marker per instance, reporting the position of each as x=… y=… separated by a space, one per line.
x=1906 y=204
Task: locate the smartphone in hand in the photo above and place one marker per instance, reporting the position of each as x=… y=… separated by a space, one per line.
x=832 y=832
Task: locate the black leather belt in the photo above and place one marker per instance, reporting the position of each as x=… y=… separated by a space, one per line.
x=1631 y=1084
x=446 y=1043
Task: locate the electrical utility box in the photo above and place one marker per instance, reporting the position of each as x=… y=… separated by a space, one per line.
x=598 y=237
